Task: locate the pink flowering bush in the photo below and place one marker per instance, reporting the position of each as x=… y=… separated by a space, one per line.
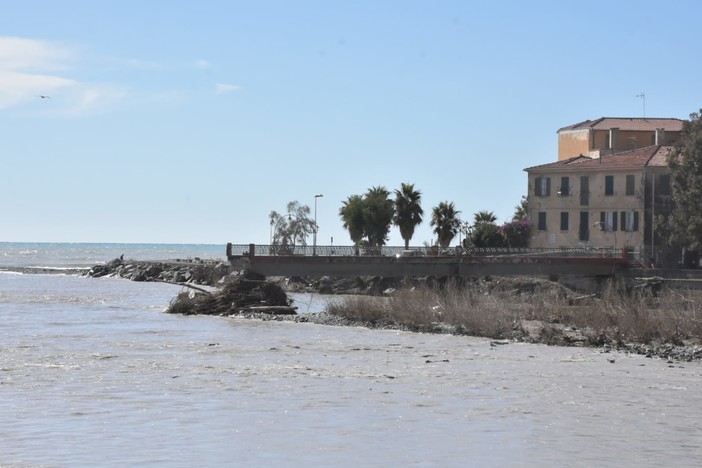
x=516 y=233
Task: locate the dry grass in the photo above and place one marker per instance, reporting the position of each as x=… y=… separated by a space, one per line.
x=498 y=310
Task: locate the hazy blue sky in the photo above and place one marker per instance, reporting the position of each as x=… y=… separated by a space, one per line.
x=189 y=122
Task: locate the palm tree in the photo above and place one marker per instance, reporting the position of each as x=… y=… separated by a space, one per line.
x=521 y=211
x=408 y=211
x=377 y=213
x=485 y=231
x=484 y=217
x=445 y=219
x=351 y=213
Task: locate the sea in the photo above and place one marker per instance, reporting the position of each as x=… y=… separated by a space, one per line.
x=94 y=373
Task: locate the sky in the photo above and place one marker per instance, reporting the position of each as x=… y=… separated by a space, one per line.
x=189 y=122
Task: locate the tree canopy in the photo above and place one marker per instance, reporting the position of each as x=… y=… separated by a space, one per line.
x=684 y=225
x=521 y=211
x=293 y=227
x=378 y=212
x=446 y=222
x=484 y=217
x=408 y=211
x=368 y=216
x=351 y=213
x=485 y=232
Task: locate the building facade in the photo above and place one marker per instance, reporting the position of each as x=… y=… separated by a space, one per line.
x=608 y=201
x=608 y=135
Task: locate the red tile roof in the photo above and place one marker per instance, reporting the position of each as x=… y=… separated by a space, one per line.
x=654 y=155
x=628 y=123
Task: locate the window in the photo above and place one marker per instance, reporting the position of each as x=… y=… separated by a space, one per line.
x=564 y=220
x=609 y=185
x=564 y=191
x=630 y=221
x=584 y=190
x=542 y=220
x=542 y=186
x=608 y=221
x=584 y=231
x=630 y=184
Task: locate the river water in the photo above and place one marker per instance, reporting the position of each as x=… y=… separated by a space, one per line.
x=93 y=373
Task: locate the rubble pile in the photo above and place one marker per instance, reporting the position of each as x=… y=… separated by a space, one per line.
x=247 y=293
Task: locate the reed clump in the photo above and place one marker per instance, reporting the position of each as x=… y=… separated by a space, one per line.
x=537 y=311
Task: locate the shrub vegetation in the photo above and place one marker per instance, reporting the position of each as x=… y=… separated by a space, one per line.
x=535 y=310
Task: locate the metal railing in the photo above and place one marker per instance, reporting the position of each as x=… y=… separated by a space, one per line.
x=435 y=251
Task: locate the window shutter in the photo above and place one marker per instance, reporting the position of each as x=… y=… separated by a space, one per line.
x=636 y=221
x=565 y=186
x=623 y=216
x=548 y=186
x=630 y=184
x=614 y=221
x=537 y=186
x=603 y=220
x=542 y=220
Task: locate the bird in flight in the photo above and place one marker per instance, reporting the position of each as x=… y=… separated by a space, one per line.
x=43 y=96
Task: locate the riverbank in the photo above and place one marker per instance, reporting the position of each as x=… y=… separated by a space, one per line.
x=650 y=322
x=534 y=332
x=506 y=310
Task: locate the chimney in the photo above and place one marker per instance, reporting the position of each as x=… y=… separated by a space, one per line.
x=613 y=137
x=660 y=137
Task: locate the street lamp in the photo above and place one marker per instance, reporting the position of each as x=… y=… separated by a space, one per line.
x=314 y=235
x=463 y=228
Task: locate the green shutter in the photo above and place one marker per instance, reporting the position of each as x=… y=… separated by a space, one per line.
x=630 y=184
x=609 y=185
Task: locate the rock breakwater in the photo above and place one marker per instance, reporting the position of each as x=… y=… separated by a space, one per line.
x=180 y=272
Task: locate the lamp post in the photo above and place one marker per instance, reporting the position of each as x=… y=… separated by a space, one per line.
x=463 y=229
x=314 y=234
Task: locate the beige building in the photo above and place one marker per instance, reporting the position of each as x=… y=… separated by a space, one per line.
x=608 y=135
x=605 y=201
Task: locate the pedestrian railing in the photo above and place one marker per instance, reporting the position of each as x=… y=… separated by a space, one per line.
x=402 y=252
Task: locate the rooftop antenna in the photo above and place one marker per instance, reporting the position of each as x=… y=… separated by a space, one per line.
x=643 y=99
